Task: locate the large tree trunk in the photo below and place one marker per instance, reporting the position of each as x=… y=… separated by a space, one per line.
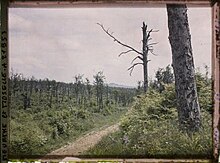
x=182 y=56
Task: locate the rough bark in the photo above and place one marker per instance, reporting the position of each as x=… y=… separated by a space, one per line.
x=145 y=53
x=183 y=65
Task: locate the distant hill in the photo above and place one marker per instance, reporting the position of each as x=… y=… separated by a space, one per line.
x=119 y=86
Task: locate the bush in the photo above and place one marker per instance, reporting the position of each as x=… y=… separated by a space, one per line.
x=26 y=139
x=150 y=129
x=204 y=92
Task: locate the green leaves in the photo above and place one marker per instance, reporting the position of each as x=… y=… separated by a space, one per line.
x=152 y=127
x=26 y=138
x=204 y=92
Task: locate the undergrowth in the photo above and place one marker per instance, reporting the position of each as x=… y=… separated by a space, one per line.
x=42 y=132
x=150 y=129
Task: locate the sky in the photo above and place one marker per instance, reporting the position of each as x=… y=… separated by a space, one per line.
x=59 y=43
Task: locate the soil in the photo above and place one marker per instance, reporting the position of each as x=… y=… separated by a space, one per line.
x=85 y=142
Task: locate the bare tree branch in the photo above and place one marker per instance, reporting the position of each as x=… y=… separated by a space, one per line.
x=138 y=57
x=141 y=57
x=148 y=33
x=132 y=67
x=150 y=47
x=149 y=39
x=151 y=51
x=153 y=30
x=115 y=39
x=125 y=52
x=154 y=43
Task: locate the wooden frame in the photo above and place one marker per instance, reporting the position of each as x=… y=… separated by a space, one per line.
x=113 y=3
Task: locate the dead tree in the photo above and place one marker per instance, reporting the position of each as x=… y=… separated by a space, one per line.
x=99 y=86
x=142 y=56
x=183 y=66
x=78 y=88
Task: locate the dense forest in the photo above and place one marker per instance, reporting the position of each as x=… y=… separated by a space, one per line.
x=45 y=111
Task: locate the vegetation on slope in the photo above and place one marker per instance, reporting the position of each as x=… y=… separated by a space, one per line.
x=46 y=114
x=150 y=128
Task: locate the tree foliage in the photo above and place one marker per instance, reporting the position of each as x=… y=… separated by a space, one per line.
x=163 y=77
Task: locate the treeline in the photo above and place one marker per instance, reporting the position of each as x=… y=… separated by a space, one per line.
x=46 y=114
x=81 y=92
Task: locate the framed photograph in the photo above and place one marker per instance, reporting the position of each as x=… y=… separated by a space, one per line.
x=110 y=80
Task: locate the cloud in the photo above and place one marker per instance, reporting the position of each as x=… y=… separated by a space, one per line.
x=18 y=23
x=60 y=43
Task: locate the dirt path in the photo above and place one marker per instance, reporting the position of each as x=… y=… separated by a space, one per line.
x=84 y=143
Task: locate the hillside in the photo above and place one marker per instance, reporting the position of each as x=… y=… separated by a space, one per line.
x=46 y=114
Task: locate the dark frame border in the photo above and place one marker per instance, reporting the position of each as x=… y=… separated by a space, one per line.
x=4 y=75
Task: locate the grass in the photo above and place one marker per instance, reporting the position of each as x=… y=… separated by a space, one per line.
x=150 y=129
x=164 y=139
x=31 y=133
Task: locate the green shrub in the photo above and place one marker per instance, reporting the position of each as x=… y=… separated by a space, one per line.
x=153 y=138
x=150 y=128
x=26 y=139
x=204 y=92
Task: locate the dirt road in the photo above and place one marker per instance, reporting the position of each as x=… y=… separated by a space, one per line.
x=85 y=142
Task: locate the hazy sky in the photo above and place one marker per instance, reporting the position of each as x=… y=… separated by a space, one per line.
x=61 y=43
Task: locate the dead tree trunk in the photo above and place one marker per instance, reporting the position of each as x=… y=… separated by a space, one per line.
x=145 y=56
x=183 y=65
x=141 y=56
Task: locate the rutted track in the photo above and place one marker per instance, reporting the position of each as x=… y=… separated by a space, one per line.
x=85 y=142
